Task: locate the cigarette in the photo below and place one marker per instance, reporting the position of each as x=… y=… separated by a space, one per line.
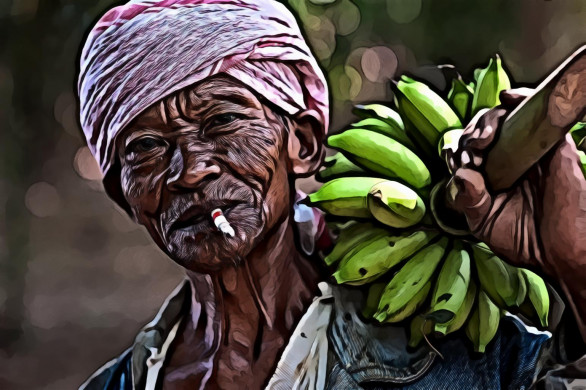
x=222 y=223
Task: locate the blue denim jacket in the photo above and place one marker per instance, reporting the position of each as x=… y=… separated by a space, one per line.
x=366 y=355
x=372 y=356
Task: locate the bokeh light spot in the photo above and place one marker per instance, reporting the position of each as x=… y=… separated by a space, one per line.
x=403 y=11
x=42 y=200
x=346 y=82
x=355 y=81
x=348 y=19
x=85 y=164
x=379 y=63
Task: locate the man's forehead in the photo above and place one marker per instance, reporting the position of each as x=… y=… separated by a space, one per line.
x=194 y=100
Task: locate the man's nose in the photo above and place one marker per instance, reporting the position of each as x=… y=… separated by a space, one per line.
x=188 y=172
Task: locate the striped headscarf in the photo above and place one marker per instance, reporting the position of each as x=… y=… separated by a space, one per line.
x=143 y=51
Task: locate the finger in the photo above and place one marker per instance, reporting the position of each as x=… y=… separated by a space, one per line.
x=472 y=125
x=478 y=137
x=468 y=195
x=512 y=97
x=471 y=130
x=484 y=132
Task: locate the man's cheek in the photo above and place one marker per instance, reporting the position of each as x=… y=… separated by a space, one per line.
x=143 y=193
x=253 y=158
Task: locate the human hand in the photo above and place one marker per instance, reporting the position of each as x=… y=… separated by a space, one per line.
x=540 y=222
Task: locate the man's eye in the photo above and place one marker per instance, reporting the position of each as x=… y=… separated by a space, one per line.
x=223 y=119
x=143 y=145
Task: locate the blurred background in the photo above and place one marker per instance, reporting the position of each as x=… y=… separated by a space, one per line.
x=77 y=278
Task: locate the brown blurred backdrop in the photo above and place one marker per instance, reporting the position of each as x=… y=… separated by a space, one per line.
x=77 y=277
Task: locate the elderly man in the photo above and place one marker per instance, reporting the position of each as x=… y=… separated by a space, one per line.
x=199 y=110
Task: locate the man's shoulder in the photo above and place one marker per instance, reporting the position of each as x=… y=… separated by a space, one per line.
x=114 y=375
x=130 y=369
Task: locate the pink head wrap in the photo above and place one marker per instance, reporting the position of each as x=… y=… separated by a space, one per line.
x=145 y=50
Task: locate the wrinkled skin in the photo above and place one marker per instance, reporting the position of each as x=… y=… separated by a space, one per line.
x=176 y=167
x=217 y=144
x=540 y=223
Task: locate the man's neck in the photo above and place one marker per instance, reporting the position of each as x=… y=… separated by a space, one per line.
x=250 y=310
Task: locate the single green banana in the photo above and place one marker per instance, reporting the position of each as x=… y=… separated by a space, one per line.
x=522 y=289
x=419 y=326
x=462 y=314
x=378 y=125
x=350 y=237
x=410 y=306
x=383 y=155
x=362 y=282
x=337 y=166
x=538 y=295
x=460 y=97
x=380 y=234
x=382 y=254
x=477 y=73
x=395 y=204
x=345 y=196
x=374 y=293
x=426 y=110
x=374 y=249
x=473 y=328
x=491 y=81
x=498 y=279
x=483 y=323
x=399 y=298
x=380 y=111
x=452 y=285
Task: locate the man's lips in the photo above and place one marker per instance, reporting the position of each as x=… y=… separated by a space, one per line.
x=197 y=215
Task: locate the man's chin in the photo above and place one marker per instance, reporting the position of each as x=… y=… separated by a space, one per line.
x=209 y=252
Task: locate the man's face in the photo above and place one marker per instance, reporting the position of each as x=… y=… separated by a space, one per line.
x=211 y=146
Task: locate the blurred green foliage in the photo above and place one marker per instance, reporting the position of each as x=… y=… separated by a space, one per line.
x=531 y=35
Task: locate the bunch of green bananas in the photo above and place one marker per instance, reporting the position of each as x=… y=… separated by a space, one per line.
x=380 y=185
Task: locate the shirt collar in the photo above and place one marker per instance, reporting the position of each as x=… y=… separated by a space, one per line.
x=153 y=341
x=367 y=351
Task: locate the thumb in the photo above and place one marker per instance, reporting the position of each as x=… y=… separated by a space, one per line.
x=467 y=194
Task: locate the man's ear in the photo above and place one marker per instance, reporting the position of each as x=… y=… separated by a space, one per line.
x=305 y=143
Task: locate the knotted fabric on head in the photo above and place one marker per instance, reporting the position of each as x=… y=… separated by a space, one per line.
x=145 y=50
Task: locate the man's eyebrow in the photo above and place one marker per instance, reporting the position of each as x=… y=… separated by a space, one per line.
x=133 y=134
x=235 y=98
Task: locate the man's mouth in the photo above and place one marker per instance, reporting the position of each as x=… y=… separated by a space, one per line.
x=198 y=218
